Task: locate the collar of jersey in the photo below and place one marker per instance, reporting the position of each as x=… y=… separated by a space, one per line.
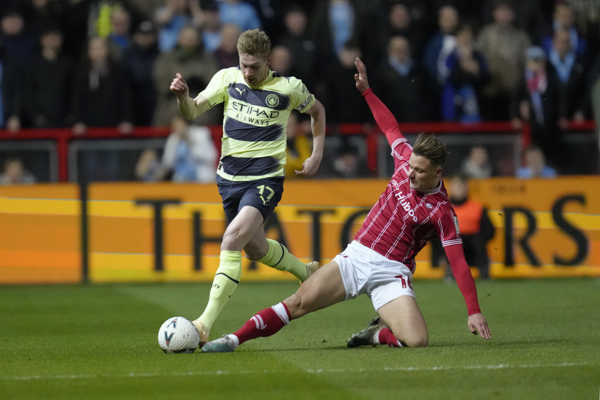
x=432 y=191
x=264 y=82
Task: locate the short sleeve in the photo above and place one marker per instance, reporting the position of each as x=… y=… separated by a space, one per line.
x=301 y=99
x=447 y=227
x=215 y=91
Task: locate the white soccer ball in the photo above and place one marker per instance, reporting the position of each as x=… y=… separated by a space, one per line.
x=178 y=335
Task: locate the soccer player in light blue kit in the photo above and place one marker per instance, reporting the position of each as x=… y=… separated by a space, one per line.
x=250 y=174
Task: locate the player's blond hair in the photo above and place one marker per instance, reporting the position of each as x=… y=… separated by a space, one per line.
x=254 y=42
x=430 y=147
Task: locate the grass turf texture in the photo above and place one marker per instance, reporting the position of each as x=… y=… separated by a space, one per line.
x=99 y=342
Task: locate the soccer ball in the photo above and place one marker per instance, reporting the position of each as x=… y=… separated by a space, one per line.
x=178 y=335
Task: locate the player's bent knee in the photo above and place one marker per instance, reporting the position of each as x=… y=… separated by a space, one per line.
x=415 y=341
x=253 y=253
x=233 y=238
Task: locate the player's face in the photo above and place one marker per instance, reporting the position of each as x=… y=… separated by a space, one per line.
x=423 y=174
x=254 y=69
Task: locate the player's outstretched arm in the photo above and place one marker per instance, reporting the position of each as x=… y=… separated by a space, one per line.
x=317 y=120
x=189 y=108
x=383 y=116
x=476 y=322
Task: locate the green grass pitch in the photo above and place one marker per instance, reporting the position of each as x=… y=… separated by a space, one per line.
x=99 y=342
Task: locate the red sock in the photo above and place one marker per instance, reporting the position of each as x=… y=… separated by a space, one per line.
x=386 y=336
x=264 y=323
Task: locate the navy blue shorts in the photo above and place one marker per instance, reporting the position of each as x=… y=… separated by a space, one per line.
x=262 y=194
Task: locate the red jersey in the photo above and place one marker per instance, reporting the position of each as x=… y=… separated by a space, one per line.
x=403 y=220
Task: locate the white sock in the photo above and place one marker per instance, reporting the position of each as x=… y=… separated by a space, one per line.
x=234 y=339
x=376 y=336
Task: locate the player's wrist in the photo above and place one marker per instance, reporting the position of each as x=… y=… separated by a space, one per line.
x=473 y=311
x=366 y=91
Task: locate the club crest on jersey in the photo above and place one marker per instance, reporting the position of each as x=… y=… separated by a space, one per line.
x=272 y=100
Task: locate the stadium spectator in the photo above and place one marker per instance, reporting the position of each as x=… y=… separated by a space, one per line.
x=42 y=13
x=101 y=93
x=441 y=44
x=298 y=147
x=207 y=19
x=537 y=102
x=170 y=19
x=14 y=173
x=344 y=104
x=587 y=20
x=533 y=16
x=17 y=50
x=192 y=61
x=301 y=45
x=467 y=74
x=594 y=85
x=477 y=165
x=48 y=83
x=400 y=23
x=347 y=161
x=10 y=96
x=250 y=172
x=226 y=54
x=119 y=38
x=17 y=41
x=144 y=9
x=334 y=23
x=138 y=63
x=503 y=46
x=148 y=167
x=189 y=154
x=437 y=50
x=239 y=13
x=101 y=98
x=380 y=260
x=570 y=69
x=476 y=228
x=401 y=83
x=564 y=19
x=535 y=165
x=270 y=14
x=281 y=60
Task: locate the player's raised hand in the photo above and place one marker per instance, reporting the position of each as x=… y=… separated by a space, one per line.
x=478 y=325
x=179 y=86
x=310 y=166
x=360 y=77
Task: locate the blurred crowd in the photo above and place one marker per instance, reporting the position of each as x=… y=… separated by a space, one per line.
x=98 y=63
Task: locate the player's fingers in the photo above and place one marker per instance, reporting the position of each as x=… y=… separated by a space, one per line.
x=360 y=66
x=486 y=332
x=178 y=75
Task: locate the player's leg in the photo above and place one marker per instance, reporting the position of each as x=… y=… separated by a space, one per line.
x=401 y=322
x=405 y=325
x=322 y=289
x=264 y=195
x=275 y=255
x=227 y=278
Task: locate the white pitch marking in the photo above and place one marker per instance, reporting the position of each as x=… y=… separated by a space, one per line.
x=306 y=370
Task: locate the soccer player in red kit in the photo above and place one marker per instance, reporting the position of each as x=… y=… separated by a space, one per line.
x=413 y=209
